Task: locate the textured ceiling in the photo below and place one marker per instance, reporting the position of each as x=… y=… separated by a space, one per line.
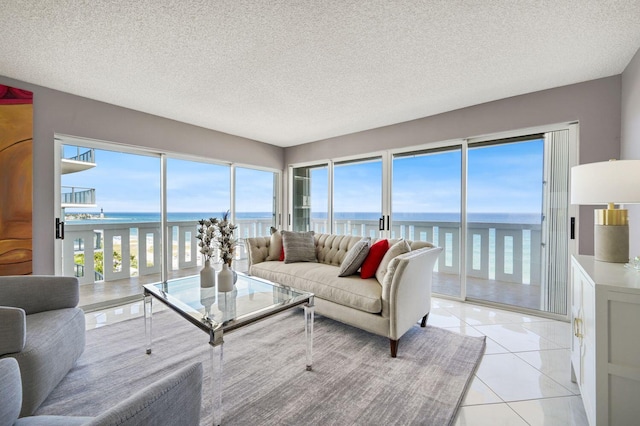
x=290 y=72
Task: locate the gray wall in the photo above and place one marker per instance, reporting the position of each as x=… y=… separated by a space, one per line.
x=630 y=145
x=595 y=104
x=59 y=112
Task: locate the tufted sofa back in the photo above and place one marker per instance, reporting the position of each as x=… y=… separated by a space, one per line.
x=331 y=249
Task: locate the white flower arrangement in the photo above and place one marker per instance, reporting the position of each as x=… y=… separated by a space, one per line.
x=206 y=236
x=217 y=233
x=226 y=242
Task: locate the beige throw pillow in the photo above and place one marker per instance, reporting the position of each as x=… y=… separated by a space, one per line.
x=275 y=245
x=299 y=246
x=397 y=249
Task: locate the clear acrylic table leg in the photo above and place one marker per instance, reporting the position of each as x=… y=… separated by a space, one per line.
x=308 y=331
x=216 y=344
x=148 y=310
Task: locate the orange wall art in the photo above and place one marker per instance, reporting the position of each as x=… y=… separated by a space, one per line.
x=16 y=180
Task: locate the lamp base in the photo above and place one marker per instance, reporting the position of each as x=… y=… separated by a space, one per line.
x=611 y=243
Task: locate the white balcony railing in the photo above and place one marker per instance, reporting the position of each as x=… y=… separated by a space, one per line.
x=501 y=251
x=75 y=196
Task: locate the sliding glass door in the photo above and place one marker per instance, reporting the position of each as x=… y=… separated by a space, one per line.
x=195 y=190
x=357 y=197
x=498 y=207
x=504 y=227
x=310 y=199
x=110 y=198
x=426 y=206
x=256 y=208
x=109 y=206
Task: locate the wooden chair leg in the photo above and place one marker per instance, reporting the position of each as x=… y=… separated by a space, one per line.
x=394 y=347
x=424 y=321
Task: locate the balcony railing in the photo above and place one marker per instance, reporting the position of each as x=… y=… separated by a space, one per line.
x=73 y=195
x=508 y=252
x=501 y=251
x=86 y=156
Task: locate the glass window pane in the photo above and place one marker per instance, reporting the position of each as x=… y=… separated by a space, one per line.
x=256 y=208
x=195 y=190
x=426 y=202
x=357 y=199
x=505 y=191
x=311 y=199
x=108 y=198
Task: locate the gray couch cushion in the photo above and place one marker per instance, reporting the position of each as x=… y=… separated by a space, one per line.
x=174 y=400
x=10 y=391
x=13 y=329
x=323 y=281
x=38 y=293
x=354 y=258
x=299 y=247
x=55 y=340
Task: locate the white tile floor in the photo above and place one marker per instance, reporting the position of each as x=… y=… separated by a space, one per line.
x=523 y=378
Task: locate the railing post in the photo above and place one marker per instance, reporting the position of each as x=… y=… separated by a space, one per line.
x=143 y=249
x=183 y=231
x=483 y=234
x=125 y=250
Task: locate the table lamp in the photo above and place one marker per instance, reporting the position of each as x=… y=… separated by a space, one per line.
x=608 y=182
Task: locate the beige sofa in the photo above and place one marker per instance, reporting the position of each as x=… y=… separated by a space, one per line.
x=388 y=308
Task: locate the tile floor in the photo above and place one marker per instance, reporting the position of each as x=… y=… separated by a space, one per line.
x=523 y=378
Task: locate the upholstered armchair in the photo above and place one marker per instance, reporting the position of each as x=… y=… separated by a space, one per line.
x=173 y=400
x=43 y=329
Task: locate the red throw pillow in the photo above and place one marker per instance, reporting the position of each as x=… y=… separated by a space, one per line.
x=282 y=254
x=373 y=259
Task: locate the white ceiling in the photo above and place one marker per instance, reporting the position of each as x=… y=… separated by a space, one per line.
x=290 y=72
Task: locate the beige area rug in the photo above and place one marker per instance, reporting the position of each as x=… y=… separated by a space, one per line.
x=354 y=380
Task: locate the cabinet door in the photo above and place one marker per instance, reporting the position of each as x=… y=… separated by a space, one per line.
x=583 y=337
x=588 y=348
x=576 y=318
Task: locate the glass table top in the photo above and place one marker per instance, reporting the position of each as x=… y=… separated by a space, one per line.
x=251 y=300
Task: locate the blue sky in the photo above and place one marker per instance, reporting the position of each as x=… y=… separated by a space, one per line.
x=131 y=183
x=502 y=178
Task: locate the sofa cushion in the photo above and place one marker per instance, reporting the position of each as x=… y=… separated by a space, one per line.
x=371 y=263
x=322 y=280
x=299 y=246
x=275 y=245
x=354 y=258
x=395 y=250
x=55 y=340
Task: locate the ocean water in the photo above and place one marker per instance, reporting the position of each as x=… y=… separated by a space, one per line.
x=137 y=217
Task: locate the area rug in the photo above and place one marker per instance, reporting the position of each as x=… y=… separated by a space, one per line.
x=354 y=380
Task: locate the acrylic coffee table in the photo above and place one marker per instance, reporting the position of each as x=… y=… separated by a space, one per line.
x=216 y=314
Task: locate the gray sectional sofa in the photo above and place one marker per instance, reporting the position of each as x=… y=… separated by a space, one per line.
x=388 y=304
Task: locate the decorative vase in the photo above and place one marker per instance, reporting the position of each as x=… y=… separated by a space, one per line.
x=207 y=275
x=225 y=278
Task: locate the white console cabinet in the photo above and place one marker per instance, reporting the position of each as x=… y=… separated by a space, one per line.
x=605 y=349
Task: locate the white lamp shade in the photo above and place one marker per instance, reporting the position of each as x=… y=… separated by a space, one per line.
x=615 y=182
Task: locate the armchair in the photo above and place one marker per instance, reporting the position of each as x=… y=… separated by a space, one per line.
x=173 y=400
x=43 y=329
